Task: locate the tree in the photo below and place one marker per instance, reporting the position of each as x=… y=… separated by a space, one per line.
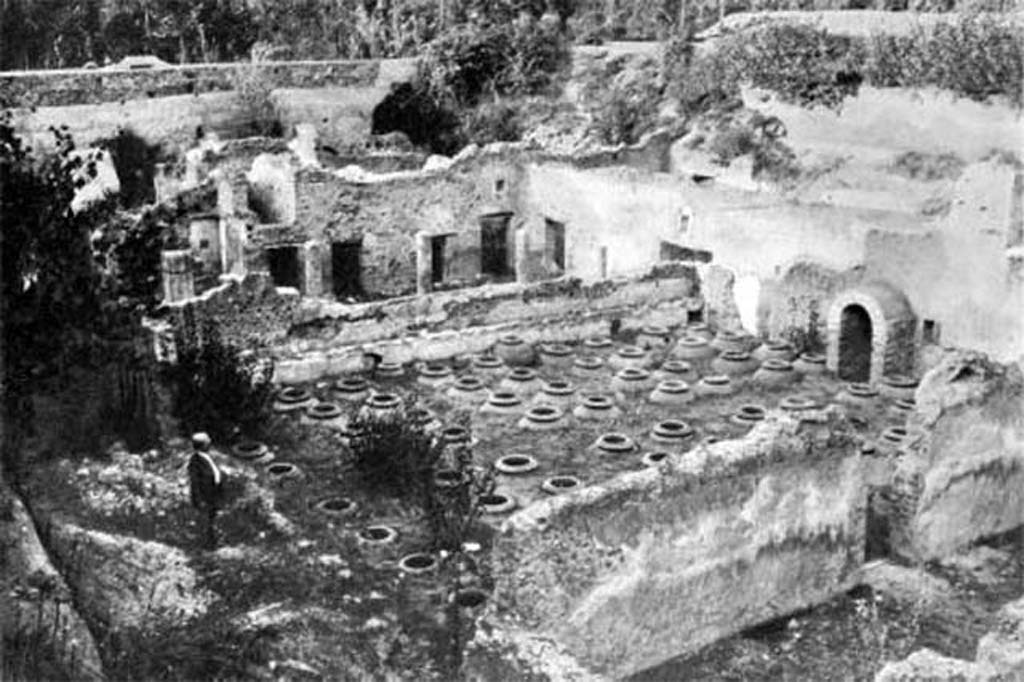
x=50 y=306
x=217 y=386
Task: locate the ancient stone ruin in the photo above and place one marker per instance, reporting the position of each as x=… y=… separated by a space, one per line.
x=709 y=409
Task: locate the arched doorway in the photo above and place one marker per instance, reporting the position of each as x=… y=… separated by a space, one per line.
x=870 y=330
x=855 y=344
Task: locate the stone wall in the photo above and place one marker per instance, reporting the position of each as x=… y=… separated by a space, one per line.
x=1000 y=655
x=65 y=87
x=387 y=215
x=167 y=105
x=955 y=271
x=314 y=337
x=249 y=311
x=963 y=477
x=656 y=564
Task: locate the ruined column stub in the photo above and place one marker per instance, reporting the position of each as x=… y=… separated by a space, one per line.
x=176 y=272
x=312 y=283
x=232 y=245
x=422 y=262
x=521 y=254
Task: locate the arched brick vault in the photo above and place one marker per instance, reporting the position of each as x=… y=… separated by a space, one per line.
x=893 y=326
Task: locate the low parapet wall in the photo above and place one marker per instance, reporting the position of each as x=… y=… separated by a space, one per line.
x=656 y=564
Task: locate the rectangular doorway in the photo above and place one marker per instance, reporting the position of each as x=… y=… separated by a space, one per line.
x=283 y=262
x=437 y=264
x=554 y=243
x=494 y=244
x=346 y=268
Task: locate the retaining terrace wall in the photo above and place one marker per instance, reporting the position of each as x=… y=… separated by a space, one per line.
x=167 y=104
x=656 y=564
x=312 y=337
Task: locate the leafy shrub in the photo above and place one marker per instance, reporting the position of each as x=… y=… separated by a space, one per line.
x=916 y=165
x=480 y=59
x=973 y=56
x=135 y=162
x=452 y=512
x=411 y=108
x=623 y=100
x=732 y=142
x=217 y=387
x=807 y=339
x=977 y=56
x=254 y=95
x=460 y=90
x=129 y=245
x=394 y=456
x=775 y=161
x=498 y=121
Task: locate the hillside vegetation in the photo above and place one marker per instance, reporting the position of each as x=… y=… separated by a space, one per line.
x=976 y=56
x=38 y=34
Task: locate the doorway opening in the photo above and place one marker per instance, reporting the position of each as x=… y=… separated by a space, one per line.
x=855 y=344
x=283 y=262
x=554 y=243
x=346 y=268
x=437 y=264
x=494 y=244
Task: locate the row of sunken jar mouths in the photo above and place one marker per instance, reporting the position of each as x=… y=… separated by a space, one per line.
x=628 y=384
x=631 y=358
x=768 y=369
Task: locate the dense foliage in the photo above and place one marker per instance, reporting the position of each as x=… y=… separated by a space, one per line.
x=395 y=456
x=469 y=79
x=51 y=307
x=976 y=56
x=58 y=34
x=128 y=246
x=135 y=162
x=219 y=387
x=623 y=103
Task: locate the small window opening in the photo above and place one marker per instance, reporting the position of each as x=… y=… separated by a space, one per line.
x=499 y=186
x=929 y=332
x=684 y=222
x=695 y=316
x=204 y=243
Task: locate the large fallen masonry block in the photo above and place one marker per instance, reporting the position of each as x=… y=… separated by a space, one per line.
x=964 y=480
x=1000 y=656
x=619 y=577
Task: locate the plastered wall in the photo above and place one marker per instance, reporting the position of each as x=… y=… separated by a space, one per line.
x=656 y=564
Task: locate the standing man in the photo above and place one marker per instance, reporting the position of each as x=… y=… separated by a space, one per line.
x=206 y=485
